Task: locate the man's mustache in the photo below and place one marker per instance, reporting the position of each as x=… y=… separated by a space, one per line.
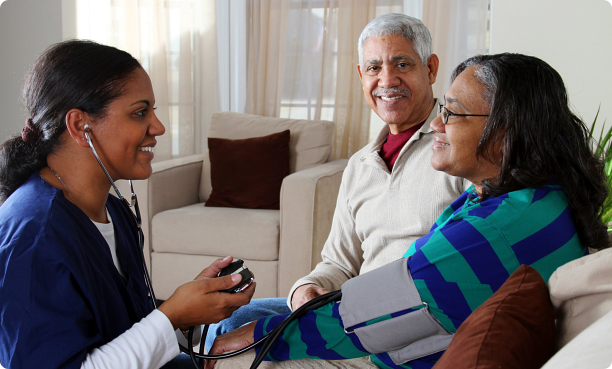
x=391 y=90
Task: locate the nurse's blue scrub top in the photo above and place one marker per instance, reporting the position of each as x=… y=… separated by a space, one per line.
x=60 y=293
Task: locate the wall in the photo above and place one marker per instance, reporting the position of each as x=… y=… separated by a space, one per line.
x=574 y=37
x=27 y=27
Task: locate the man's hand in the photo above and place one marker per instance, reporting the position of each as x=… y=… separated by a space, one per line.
x=232 y=341
x=305 y=293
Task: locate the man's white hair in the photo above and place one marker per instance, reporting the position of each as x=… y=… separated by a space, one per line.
x=398 y=24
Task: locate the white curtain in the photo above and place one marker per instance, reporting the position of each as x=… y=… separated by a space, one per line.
x=459 y=29
x=302 y=56
x=175 y=41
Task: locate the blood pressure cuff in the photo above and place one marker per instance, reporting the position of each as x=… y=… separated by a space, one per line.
x=384 y=309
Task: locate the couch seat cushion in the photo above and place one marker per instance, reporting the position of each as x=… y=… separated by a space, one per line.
x=199 y=230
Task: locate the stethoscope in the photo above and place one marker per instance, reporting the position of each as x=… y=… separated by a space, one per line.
x=266 y=341
x=135 y=215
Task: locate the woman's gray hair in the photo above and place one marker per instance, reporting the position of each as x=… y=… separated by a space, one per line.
x=484 y=74
x=398 y=24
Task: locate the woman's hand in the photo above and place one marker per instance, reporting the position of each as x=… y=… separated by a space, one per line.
x=232 y=341
x=199 y=302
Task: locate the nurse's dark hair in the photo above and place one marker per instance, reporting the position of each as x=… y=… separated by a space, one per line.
x=73 y=74
x=542 y=139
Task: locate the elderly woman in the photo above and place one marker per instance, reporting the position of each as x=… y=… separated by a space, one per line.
x=536 y=199
x=72 y=284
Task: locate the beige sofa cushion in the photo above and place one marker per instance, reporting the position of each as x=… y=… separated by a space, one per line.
x=310 y=144
x=581 y=292
x=200 y=230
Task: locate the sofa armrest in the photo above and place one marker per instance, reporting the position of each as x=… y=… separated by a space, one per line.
x=591 y=348
x=173 y=184
x=307 y=204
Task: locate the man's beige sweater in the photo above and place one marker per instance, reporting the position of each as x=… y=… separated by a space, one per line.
x=380 y=213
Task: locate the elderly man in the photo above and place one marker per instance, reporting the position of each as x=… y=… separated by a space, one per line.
x=389 y=195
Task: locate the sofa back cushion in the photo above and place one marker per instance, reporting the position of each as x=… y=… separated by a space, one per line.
x=513 y=329
x=310 y=143
x=581 y=293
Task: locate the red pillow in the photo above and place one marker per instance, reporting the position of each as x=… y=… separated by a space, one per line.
x=248 y=173
x=514 y=328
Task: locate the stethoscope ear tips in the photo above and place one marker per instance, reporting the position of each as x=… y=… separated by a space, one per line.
x=87 y=130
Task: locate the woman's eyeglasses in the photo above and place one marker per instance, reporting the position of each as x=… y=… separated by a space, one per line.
x=447 y=113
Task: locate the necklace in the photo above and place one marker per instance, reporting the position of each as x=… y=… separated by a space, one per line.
x=66 y=187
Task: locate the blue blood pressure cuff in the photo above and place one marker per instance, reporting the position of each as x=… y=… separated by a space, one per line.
x=384 y=309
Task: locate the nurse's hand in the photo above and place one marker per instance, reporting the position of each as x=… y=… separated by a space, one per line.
x=199 y=302
x=232 y=341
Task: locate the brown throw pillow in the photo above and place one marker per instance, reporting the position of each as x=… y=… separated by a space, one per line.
x=514 y=328
x=248 y=173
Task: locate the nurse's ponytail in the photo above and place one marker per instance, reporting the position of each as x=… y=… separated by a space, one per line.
x=20 y=158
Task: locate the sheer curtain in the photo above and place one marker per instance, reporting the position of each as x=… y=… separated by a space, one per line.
x=459 y=29
x=302 y=63
x=175 y=41
x=302 y=56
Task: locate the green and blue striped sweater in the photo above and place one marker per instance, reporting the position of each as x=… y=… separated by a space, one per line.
x=467 y=255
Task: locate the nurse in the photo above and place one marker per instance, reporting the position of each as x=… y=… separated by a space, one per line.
x=72 y=286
